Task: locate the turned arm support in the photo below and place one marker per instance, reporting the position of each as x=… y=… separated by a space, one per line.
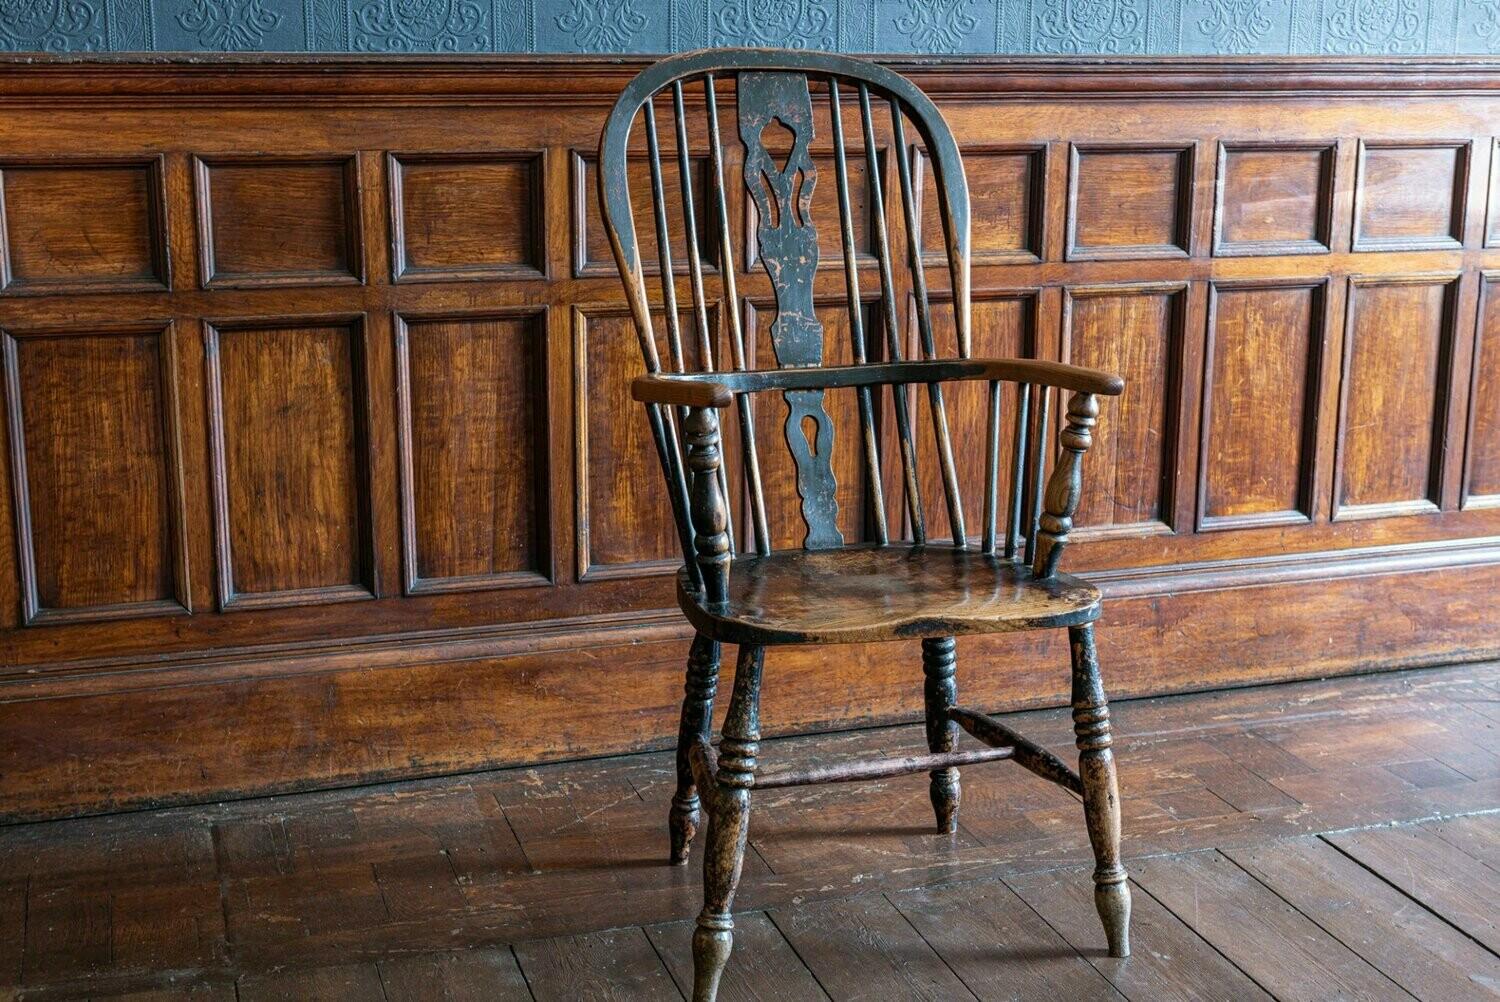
x=708 y=508
x=1065 y=486
x=717 y=389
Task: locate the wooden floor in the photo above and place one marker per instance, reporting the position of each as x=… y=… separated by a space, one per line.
x=1323 y=840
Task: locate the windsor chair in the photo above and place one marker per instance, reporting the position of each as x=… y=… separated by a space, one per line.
x=833 y=590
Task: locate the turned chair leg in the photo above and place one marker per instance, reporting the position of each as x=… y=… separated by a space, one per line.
x=728 y=825
x=938 y=661
x=697 y=714
x=1101 y=793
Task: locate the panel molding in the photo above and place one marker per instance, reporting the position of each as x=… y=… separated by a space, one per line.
x=156 y=235
x=1035 y=229
x=1180 y=246
x=33 y=613
x=1467 y=499
x=1174 y=405
x=1438 y=449
x=542 y=573
x=209 y=277
x=1458 y=206
x=402 y=268
x=1303 y=512
x=1323 y=210
x=228 y=597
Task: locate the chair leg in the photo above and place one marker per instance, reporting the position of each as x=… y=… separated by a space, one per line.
x=697 y=714
x=728 y=826
x=938 y=661
x=1101 y=793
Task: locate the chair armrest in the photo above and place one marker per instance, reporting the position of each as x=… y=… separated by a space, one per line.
x=716 y=389
x=682 y=390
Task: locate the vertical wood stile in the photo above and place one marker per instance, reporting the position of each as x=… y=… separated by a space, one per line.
x=1020 y=446
x=1037 y=479
x=731 y=307
x=924 y=326
x=992 y=468
x=695 y=265
x=856 y=314
x=892 y=330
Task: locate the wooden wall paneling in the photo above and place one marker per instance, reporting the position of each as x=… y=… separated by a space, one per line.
x=1259 y=418
x=96 y=473
x=1492 y=201
x=624 y=522
x=1007 y=203
x=1274 y=198
x=1138 y=331
x=1482 y=453
x=82 y=225
x=268 y=221
x=1004 y=324
x=288 y=411
x=1399 y=335
x=468 y=216
x=1411 y=195
x=591 y=253
x=1128 y=201
x=473 y=426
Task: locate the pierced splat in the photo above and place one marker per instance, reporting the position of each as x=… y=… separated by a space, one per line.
x=782 y=189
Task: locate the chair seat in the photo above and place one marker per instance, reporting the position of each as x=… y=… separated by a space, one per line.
x=900 y=591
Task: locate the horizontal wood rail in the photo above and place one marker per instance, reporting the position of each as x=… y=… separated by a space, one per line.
x=717 y=389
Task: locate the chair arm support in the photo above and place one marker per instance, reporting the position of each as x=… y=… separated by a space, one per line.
x=716 y=389
x=1065 y=486
x=708 y=508
x=682 y=390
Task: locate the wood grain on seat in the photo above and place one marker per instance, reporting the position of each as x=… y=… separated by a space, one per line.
x=866 y=593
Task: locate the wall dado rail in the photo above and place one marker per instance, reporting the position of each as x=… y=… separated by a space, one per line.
x=320 y=468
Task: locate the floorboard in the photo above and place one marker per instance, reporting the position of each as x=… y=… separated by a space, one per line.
x=1316 y=840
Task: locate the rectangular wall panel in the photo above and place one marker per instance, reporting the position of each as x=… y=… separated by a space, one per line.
x=1129 y=202
x=95 y=477
x=467 y=216
x=1397 y=349
x=591 y=252
x=270 y=221
x=1410 y=195
x=1135 y=332
x=474 y=451
x=1260 y=402
x=1482 y=477
x=1007 y=201
x=290 y=476
x=1274 y=198
x=1004 y=326
x=80 y=227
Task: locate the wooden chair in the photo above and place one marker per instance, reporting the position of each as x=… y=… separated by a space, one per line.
x=833 y=590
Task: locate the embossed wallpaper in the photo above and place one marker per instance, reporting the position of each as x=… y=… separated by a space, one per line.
x=1312 y=27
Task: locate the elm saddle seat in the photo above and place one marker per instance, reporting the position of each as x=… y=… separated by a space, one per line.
x=892 y=582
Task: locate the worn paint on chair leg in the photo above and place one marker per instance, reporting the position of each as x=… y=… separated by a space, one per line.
x=1101 y=793
x=697 y=714
x=939 y=659
x=728 y=826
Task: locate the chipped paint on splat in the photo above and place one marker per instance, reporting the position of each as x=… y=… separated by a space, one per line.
x=788 y=241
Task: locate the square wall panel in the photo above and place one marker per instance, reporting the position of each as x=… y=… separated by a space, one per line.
x=1410 y=196
x=82 y=226
x=460 y=216
x=1273 y=199
x=271 y=221
x=1007 y=196
x=1127 y=202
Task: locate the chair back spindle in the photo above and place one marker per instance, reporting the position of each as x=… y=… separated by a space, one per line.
x=779 y=123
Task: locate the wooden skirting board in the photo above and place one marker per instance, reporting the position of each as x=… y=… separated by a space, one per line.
x=320 y=465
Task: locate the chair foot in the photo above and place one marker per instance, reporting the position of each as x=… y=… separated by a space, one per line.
x=682 y=825
x=697 y=710
x=1101 y=792
x=1112 y=899
x=712 y=941
x=945 y=792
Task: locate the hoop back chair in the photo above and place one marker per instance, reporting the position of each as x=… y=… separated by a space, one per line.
x=833 y=590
